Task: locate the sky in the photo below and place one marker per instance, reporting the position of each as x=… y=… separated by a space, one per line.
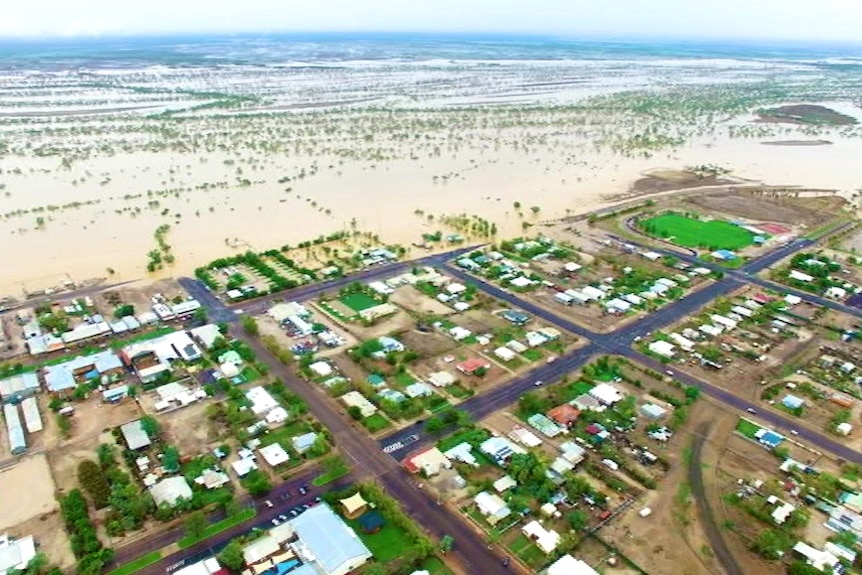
x=820 y=20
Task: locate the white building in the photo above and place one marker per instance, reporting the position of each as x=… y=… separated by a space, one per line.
x=261 y=400
x=662 y=348
x=545 y=539
x=568 y=565
x=492 y=507
x=606 y=394
x=356 y=399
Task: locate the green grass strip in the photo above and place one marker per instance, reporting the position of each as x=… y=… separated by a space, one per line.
x=330 y=476
x=217 y=528
x=137 y=564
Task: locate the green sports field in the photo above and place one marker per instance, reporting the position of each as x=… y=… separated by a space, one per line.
x=692 y=233
x=359 y=301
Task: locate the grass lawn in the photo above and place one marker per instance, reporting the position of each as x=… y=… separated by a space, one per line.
x=434 y=566
x=216 y=528
x=533 y=354
x=692 y=233
x=404 y=379
x=528 y=552
x=137 y=564
x=249 y=374
x=359 y=301
x=331 y=475
x=284 y=434
x=387 y=544
x=375 y=422
x=459 y=392
x=747 y=428
x=471 y=436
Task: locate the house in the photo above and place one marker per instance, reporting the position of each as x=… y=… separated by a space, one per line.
x=206 y=335
x=545 y=425
x=134 y=435
x=67 y=375
x=516 y=317
x=455 y=288
x=17 y=442
x=390 y=344
x=17 y=387
x=572 y=452
x=711 y=330
x=504 y=353
x=471 y=366
x=459 y=333
x=356 y=399
x=568 y=565
x=321 y=368
x=504 y=484
x=327 y=543
x=617 y=305
x=85 y=331
x=800 y=276
x=212 y=479
x=724 y=322
x=578 y=297
x=633 y=299
x=170 y=490
x=500 y=449
x=418 y=389
x=524 y=436
x=792 y=402
x=835 y=292
x=16 y=554
x=564 y=415
x=572 y=267
x=651 y=256
x=492 y=507
x=683 y=342
x=662 y=348
x=462 y=452
x=260 y=550
x=723 y=255
x=429 y=461
x=564 y=298
x=274 y=454
x=244 y=466
x=652 y=411
x=441 y=379
x=521 y=282
x=606 y=394
x=819 y=559
x=261 y=400
x=592 y=293
x=545 y=539
x=304 y=442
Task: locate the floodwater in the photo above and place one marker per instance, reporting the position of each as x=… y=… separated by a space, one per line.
x=82 y=242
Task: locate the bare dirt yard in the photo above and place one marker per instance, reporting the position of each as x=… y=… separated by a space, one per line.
x=408 y=297
x=30 y=478
x=48 y=531
x=809 y=212
x=188 y=428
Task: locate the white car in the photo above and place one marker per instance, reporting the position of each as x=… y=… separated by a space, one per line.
x=538 y=383
x=794 y=432
x=750 y=410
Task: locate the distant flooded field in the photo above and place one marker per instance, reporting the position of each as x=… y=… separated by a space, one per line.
x=234 y=150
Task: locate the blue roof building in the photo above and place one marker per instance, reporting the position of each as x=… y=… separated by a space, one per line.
x=792 y=402
x=768 y=438
x=65 y=376
x=302 y=443
x=724 y=255
x=326 y=541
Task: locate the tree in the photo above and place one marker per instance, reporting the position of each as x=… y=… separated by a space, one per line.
x=802 y=568
x=92 y=479
x=150 y=426
x=231 y=556
x=375 y=569
x=355 y=412
x=434 y=425
x=577 y=519
x=256 y=483
x=196 y=524
x=249 y=325
x=171 y=459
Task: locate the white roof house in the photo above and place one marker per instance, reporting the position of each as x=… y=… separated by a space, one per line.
x=618 y=305
x=492 y=507
x=685 y=343
x=545 y=539
x=274 y=455
x=459 y=333
x=725 y=322
x=321 y=368
x=504 y=484
x=818 y=559
x=662 y=348
x=206 y=335
x=244 y=466
x=799 y=276
x=568 y=565
x=356 y=399
x=711 y=330
x=261 y=400
x=430 y=461
x=504 y=353
x=16 y=554
x=19 y=386
x=441 y=379
x=606 y=393
x=170 y=490
x=593 y=293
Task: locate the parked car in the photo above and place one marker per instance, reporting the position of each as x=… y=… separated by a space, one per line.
x=268 y=503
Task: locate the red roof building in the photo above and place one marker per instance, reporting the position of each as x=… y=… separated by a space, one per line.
x=471 y=366
x=565 y=414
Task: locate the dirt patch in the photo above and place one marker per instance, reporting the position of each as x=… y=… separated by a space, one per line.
x=411 y=298
x=802 y=143
x=805 y=115
x=31 y=476
x=48 y=531
x=188 y=429
x=670 y=180
x=427 y=344
x=764 y=208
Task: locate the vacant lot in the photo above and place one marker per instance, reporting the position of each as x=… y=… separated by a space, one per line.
x=30 y=478
x=693 y=233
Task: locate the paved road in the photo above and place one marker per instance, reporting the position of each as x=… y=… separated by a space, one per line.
x=64 y=296
x=369 y=462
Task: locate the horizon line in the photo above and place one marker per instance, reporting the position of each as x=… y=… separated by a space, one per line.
x=597 y=37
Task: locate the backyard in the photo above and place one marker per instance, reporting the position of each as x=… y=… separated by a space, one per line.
x=692 y=233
